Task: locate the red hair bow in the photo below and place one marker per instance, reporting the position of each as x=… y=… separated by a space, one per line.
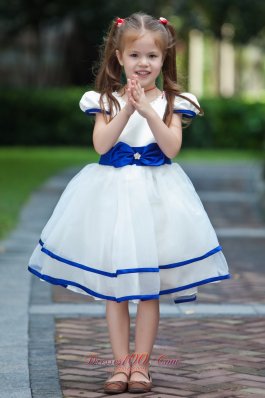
x=119 y=21
x=164 y=21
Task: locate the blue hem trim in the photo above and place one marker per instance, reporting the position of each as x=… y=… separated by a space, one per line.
x=126 y=270
x=93 y=111
x=65 y=283
x=185 y=299
x=202 y=282
x=192 y=260
x=186 y=113
x=97 y=271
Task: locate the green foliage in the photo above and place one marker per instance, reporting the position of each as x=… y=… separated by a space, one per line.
x=53 y=117
x=44 y=117
x=228 y=123
x=247 y=16
x=241 y=14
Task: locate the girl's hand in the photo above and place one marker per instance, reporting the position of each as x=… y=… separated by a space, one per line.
x=129 y=106
x=138 y=98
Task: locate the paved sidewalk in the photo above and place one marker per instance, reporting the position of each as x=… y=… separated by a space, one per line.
x=48 y=333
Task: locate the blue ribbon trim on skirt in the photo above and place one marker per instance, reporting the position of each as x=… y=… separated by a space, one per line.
x=65 y=283
x=185 y=299
x=122 y=154
x=127 y=270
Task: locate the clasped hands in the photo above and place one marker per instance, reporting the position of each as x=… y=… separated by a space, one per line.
x=136 y=99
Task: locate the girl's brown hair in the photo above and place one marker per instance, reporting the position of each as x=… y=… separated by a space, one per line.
x=108 y=78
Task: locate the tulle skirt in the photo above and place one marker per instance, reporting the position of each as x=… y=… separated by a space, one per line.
x=130 y=233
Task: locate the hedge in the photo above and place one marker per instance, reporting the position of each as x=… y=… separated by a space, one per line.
x=43 y=117
x=52 y=116
x=228 y=123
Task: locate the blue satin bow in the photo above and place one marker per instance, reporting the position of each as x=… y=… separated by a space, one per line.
x=122 y=154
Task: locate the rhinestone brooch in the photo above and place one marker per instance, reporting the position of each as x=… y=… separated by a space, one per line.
x=137 y=155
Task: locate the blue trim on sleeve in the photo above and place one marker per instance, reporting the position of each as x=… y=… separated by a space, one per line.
x=186 y=112
x=93 y=111
x=126 y=270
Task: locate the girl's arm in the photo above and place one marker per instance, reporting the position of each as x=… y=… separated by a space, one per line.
x=106 y=134
x=169 y=138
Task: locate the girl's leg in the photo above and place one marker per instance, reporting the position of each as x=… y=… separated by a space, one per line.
x=147 y=321
x=118 y=321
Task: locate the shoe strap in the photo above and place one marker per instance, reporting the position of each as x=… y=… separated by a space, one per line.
x=117 y=373
x=122 y=369
x=140 y=369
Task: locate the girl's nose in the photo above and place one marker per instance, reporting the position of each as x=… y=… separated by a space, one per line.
x=143 y=61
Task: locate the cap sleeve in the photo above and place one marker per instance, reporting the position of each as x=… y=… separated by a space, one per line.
x=184 y=106
x=89 y=103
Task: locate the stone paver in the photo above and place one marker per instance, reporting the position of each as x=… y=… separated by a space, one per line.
x=191 y=357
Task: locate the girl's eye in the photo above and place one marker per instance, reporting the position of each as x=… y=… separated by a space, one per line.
x=151 y=56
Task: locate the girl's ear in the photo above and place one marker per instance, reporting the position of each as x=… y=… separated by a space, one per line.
x=118 y=54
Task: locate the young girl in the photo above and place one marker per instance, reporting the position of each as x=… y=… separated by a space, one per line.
x=132 y=227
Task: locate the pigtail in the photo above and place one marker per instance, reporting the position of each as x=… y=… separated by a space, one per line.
x=109 y=73
x=169 y=72
x=170 y=86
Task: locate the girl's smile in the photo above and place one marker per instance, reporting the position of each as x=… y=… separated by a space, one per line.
x=142 y=57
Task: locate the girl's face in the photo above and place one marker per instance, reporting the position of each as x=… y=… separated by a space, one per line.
x=142 y=57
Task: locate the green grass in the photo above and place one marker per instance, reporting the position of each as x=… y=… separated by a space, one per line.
x=22 y=170
x=220 y=155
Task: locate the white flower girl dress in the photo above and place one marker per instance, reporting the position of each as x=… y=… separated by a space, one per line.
x=132 y=226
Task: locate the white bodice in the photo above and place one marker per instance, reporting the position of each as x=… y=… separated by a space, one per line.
x=137 y=131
